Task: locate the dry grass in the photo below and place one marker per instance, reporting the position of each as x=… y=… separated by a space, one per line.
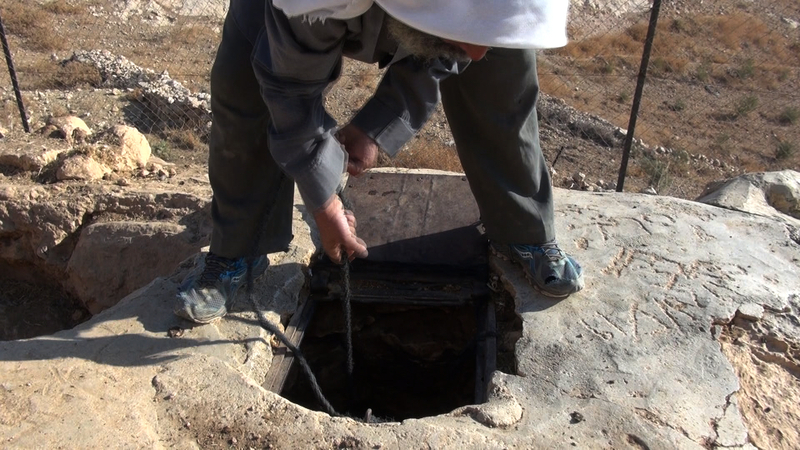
x=689 y=44
x=184 y=138
x=785 y=150
x=789 y=115
x=190 y=35
x=64 y=7
x=48 y=74
x=425 y=154
x=554 y=85
x=35 y=24
x=717 y=85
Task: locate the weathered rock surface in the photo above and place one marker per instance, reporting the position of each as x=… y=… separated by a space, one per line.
x=101 y=242
x=32 y=156
x=113 y=259
x=70 y=128
x=167 y=99
x=134 y=150
x=774 y=194
x=120 y=148
x=634 y=361
x=81 y=167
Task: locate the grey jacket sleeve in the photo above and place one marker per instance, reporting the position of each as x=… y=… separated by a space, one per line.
x=405 y=99
x=294 y=61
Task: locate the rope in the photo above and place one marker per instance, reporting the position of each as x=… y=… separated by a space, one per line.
x=348 y=319
x=269 y=326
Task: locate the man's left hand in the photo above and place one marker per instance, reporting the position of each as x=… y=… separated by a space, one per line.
x=337 y=230
x=361 y=149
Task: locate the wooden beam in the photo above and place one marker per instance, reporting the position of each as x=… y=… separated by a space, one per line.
x=283 y=358
x=486 y=350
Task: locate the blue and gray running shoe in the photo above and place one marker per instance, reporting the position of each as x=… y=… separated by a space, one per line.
x=551 y=271
x=205 y=297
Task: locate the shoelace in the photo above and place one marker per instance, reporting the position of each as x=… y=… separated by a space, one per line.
x=215 y=267
x=552 y=251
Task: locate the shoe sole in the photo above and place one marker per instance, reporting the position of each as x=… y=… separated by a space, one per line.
x=258 y=269
x=528 y=277
x=183 y=314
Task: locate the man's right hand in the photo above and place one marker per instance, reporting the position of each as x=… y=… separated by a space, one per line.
x=361 y=149
x=337 y=230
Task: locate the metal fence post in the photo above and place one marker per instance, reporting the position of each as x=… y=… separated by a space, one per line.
x=637 y=98
x=13 y=74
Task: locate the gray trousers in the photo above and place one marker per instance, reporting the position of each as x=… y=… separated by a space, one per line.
x=491 y=109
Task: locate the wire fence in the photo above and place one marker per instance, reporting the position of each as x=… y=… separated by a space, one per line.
x=721 y=95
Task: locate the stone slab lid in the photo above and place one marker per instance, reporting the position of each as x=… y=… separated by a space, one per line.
x=416 y=218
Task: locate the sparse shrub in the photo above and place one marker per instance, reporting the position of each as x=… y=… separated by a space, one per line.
x=702 y=73
x=681 y=156
x=663 y=65
x=184 y=138
x=75 y=74
x=678 y=25
x=678 y=105
x=789 y=116
x=784 y=150
x=656 y=171
x=721 y=142
x=680 y=164
x=638 y=31
x=162 y=150
x=746 y=70
x=623 y=97
x=658 y=65
x=607 y=67
x=783 y=75
x=746 y=105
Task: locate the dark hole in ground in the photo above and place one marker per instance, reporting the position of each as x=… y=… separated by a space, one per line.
x=409 y=361
x=32 y=305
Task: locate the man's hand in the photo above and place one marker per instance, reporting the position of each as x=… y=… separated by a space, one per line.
x=361 y=149
x=337 y=229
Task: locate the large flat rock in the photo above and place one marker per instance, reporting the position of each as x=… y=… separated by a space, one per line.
x=634 y=361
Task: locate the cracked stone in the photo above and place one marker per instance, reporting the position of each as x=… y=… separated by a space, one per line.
x=751 y=311
x=730 y=428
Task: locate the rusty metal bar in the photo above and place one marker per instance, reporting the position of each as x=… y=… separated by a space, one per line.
x=13 y=74
x=637 y=98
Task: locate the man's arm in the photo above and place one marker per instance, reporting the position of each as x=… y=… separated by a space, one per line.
x=294 y=62
x=403 y=102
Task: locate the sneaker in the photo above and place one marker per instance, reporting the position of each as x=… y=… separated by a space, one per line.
x=205 y=298
x=551 y=271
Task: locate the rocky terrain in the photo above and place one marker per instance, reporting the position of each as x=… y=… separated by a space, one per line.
x=687 y=335
x=683 y=338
